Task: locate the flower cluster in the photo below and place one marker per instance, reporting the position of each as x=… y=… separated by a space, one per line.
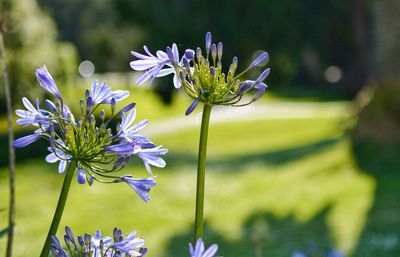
x=96 y=149
x=202 y=77
x=98 y=246
x=118 y=246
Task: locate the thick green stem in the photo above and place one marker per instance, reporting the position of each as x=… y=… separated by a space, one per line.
x=59 y=210
x=201 y=172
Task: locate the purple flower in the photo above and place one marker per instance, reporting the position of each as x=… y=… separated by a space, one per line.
x=26 y=140
x=130 y=244
x=32 y=116
x=102 y=94
x=199 y=250
x=151 y=156
x=56 y=248
x=46 y=81
x=96 y=245
x=154 y=65
x=59 y=155
x=141 y=186
x=127 y=131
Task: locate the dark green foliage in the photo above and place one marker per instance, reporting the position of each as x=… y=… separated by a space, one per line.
x=31 y=41
x=302 y=37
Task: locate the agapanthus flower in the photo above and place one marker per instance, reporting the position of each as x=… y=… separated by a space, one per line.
x=202 y=77
x=96 y=149
x=154 y=65
x=98 y=246
x=199 y=250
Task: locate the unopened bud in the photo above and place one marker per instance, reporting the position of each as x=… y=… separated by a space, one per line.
x=220 y=49
x=263 y=57
x=198 y=54
x=208 y=42
x=214 y=52
x=189 y=54
x=113 y=103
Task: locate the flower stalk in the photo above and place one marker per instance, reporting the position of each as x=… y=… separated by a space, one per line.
x=11 y=152
x=201 y=172
x=59 y=210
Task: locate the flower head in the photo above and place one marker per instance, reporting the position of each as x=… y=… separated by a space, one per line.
x=98 y=246
x=199 y=250
x=96 y=148
x=202 y=77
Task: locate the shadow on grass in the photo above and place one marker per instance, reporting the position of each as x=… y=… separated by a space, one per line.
x=381 y=236
x=237 y=163
x=263 y=234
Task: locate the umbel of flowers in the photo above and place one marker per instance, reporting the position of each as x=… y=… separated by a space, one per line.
x=203 y=77
x=90 y=143
x=117 y=246
x=87 y=145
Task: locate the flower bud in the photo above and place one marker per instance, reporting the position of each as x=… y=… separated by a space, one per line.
x=219 y=50
x=192 y=106
x=198 y=54
x=182 y=76
x=187 y=65
x=92 y=120
x=87 y=239
x=102 y=115
x=189 y=54
x=80 y=240
x=88 y=104
x=232 y=68
x=259 y=59
x=212 y=72
x=213 y=52
x=208 y=42
x=90 y=180
x=113 y=103
x=50 y=105
x=263 y=75
x=81 y=177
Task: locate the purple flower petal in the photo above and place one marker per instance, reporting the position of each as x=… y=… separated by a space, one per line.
x=141 y=186
x=46 y=81
x=259 y=59
x=27 y=140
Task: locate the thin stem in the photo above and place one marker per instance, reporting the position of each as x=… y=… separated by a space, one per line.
x=11 y=151
x=59 y=210
x=201 y=170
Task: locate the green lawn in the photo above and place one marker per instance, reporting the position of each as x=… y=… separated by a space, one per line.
x=272 y=187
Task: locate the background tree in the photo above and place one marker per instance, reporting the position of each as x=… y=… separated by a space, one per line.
x=30 y=42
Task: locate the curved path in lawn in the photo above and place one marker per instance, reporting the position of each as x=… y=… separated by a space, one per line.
x=264 y=111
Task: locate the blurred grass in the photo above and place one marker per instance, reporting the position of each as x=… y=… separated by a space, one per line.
x=273 y=186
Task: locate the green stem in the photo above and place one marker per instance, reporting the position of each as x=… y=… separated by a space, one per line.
x=201 y=172
x=11 y=151
x=59 y=210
